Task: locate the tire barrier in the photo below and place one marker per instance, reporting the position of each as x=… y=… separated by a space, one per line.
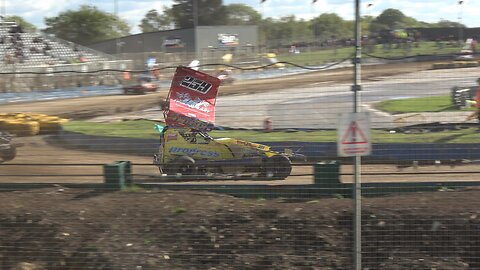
x=29 y=124
x=461 y=96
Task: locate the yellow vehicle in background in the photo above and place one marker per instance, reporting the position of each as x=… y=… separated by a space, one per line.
x=189 y=152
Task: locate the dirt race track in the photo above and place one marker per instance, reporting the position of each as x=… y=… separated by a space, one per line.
x=61 y=228
x=37 y=150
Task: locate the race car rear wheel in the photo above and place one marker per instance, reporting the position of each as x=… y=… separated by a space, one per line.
x=278 y=167
x=184 y=165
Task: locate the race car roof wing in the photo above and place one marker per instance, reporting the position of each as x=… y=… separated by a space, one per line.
x=191 y=100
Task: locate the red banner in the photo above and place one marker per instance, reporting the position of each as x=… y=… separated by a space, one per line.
x=191 y=100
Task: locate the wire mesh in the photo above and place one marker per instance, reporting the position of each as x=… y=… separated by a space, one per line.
x=73 y=128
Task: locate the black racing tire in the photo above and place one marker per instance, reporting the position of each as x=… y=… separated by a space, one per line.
x=184 y=165
x=167 y=169
x=8 y=154
x=278 y=167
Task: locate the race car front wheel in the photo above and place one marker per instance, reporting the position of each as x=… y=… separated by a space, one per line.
x=184 y=165
x=8 y=153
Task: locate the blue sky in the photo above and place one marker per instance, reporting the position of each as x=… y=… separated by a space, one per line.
x=134 y=10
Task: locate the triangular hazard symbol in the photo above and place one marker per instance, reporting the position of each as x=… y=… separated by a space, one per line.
x=354 y=135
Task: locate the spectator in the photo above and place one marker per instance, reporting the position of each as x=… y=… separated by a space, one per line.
x=474 y=45
x=16 y=29
x=34 y=50
x=8 y=59
x=37 y=40
x=82 y=59
x=47 y=46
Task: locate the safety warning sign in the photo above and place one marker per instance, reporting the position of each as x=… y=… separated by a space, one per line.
x=353 y=134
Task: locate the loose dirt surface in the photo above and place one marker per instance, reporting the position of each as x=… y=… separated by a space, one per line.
x=89 y=229
x=61 y=228
x=81 y=108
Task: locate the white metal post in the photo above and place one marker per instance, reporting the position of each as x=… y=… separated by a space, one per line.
x=357 y=242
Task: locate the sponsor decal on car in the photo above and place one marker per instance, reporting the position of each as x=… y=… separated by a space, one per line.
x=196 y=84
x=196 y=103
x=191 y=99
x=171 y=137
x=193 y=151
x=252 y=145
x=179 y=120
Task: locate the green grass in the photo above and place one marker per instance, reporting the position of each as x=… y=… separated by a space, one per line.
x=413 y=105
x=330 y=55
x=144 y=129
x=409 y=105
x=132 y=129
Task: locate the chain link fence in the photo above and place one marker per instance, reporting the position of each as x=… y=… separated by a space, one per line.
x=81 y=191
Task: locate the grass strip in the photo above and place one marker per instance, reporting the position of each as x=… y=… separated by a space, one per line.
x=143 y=129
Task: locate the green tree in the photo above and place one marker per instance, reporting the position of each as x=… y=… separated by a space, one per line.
x=209 y=12
x=394 y=19
x=329 y=25
x=241 y=14
x=153 y=21
x=284 y=31
x=20 y=21
x=391 y=18
x=365 y=24
x=86 y=25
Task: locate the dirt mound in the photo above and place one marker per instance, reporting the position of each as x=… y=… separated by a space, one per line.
x=139 y=229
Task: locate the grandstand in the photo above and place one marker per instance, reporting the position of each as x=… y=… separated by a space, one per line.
x=32 y=61
x=26 y=49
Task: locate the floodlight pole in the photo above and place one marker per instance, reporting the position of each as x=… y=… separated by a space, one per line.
x=4 y=14
x=460 y=30
x=357 y=192
x=117 y=40
x=3 y=9
x=195 y=24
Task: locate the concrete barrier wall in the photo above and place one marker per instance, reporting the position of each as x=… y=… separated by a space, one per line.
x=142 y=147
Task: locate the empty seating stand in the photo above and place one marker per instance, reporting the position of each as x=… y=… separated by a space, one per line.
x=35 y=52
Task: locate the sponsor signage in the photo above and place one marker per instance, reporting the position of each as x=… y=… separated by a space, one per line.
x=191 y=100
x=173 y=42
x=228 y=40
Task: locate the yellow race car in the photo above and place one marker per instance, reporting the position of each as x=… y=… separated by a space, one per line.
x=189 y=152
